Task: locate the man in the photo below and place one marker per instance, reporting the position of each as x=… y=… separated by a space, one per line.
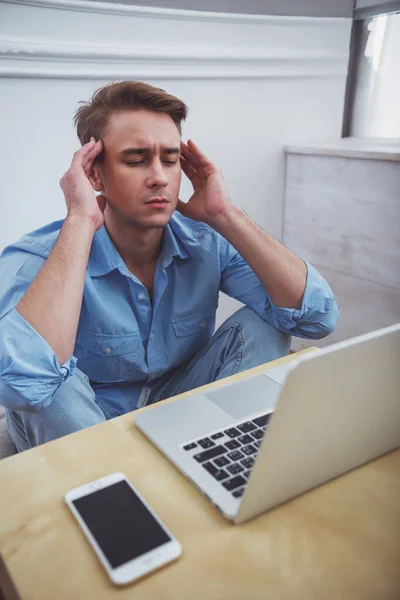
x=114 y=307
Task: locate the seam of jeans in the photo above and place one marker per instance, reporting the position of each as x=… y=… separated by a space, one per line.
x=241 y=339
x=235 y=325
x=18 y=426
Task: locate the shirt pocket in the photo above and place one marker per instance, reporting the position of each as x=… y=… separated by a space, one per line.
x=108 y=345
x=203 y=321
x=108 y=358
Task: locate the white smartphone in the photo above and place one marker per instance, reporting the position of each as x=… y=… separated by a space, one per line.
x=129 y=539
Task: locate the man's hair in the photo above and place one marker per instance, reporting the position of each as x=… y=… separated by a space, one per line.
x=91 y=119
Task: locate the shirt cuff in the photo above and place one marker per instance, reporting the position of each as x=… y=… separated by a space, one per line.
x=318 y=313
x=28 y=363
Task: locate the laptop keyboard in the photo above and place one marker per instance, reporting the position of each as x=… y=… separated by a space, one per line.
x=228 y=455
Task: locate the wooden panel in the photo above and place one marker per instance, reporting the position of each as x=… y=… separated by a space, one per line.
x=365 y=306
x=344 y=214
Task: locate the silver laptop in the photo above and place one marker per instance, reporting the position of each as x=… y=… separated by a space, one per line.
x=253 y=444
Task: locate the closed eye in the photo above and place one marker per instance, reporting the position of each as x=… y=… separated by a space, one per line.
x=141 y=162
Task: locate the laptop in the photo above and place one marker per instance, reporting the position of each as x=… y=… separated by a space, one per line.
x=256 y=443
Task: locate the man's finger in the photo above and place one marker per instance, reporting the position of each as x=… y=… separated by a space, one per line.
x=198 y=155
x=92 y=154
x=189 y=171
x=80 y=154
x=187 y=154
x=89 y=158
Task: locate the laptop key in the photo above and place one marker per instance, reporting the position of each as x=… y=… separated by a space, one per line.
x=245 y=439
x=221 y=461
x=246 y=474
x=263 y=420
x=234 y=483
x=258 y=434
x=205 y=443
x=235 y=468
x=232 y=445
x=216 y=436
x=238 y=493
x=246 y=427
x=235 y=455
x=218 y=474
x=232 y=432
x=190 y=446
x=248 y=462
x=249 y=450
x=257 y=444
x=209 y=454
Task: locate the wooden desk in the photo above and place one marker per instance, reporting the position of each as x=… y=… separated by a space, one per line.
x=340 y=541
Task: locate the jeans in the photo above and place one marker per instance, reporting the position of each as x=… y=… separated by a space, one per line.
x=243 y=341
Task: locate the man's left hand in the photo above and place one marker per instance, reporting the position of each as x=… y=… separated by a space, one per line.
x=210 y=198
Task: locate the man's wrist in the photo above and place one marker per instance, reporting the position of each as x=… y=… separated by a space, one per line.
x=224 y=222
x=81 y=221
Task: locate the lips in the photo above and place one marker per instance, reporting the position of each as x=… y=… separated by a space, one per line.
x=158 y=203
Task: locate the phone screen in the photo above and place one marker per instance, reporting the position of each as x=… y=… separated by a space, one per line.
x=120 y=523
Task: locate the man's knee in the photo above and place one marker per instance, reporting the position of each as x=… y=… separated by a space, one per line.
x=265 y=339
x=73 y=408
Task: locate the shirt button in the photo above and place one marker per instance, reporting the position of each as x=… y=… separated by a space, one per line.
x=202 y=324
x=108 y=350
x=141 y=296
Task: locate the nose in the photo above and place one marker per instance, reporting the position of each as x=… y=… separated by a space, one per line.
x=157 y=176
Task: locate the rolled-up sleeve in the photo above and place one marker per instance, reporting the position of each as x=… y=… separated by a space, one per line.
x=315 y=319
x=319 y=311
x=29 y=372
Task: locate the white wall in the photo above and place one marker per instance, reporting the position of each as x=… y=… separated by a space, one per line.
x=252 y=84
x=300 y=8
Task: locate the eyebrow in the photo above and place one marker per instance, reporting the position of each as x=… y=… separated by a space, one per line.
x=142 y=151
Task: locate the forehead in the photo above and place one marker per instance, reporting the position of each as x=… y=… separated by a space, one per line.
x=142 y=128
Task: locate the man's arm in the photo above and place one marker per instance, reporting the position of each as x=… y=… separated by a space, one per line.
x=53 y=301
x=41 y=296
x=287 y=292
x=282 y=273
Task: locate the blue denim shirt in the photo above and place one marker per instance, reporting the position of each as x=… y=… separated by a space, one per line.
x=122 y=335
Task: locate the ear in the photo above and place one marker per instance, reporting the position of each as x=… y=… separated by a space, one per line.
x=96 y=178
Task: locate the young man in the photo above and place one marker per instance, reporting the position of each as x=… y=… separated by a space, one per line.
x=114 y=307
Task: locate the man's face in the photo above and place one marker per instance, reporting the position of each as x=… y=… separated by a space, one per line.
x=140 y=164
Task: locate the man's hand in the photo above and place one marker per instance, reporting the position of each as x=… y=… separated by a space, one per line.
x=79 y=195
x=210 y=199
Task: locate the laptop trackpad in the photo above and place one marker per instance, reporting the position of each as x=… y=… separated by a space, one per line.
x=246 y=397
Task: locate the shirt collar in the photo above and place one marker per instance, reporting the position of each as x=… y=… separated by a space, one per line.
x=104 y=257
x=172 y=246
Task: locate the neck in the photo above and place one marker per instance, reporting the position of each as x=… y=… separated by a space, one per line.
x=138 y=247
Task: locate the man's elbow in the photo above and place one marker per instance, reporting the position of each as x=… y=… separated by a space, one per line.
x=326 y=327
x=24 y=394
x=321 y=328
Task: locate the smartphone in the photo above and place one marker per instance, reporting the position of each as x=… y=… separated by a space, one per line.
x=127 y=536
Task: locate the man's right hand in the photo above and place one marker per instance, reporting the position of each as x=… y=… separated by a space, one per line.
x=79 y=195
